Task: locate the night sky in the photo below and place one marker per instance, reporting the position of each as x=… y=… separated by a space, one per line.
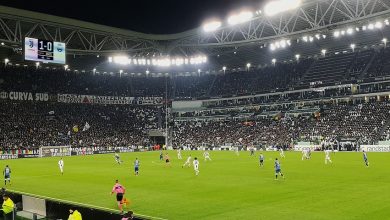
x=147 y=16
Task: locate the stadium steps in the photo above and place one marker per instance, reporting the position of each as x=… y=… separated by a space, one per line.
x=329 y=69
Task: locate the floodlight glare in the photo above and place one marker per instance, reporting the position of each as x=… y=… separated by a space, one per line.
x=297 y=56
x=371 y=26
x=212 y=26
x=6 y=60
x=224 y=68
x=323 y=51
x=273 y=60
x=248 y=65
x=349 y=31
x=378 y=25
x=242 y=17
x=279 y=6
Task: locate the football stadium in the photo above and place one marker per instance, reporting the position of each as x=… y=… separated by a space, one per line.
x=252 y=109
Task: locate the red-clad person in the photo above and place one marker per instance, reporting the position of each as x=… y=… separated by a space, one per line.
x=120 y=191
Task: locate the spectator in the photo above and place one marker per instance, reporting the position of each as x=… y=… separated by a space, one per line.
x=74 y=214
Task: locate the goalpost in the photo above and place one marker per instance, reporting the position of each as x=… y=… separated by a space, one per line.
x=55 y=151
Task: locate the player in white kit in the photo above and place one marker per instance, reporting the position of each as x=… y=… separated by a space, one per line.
x=61 y=165
x=196 y=165
x=206 y=156
x=237 y=152
x=327 y=157
x=304 y=154
x=188 y=162
x=282 y=153
x=179 y=154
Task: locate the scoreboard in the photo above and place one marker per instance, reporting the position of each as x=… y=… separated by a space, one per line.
x=44 y=51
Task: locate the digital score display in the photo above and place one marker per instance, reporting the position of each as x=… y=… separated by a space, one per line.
x=44 y=51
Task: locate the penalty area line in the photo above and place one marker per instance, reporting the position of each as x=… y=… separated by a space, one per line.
x=80 y=204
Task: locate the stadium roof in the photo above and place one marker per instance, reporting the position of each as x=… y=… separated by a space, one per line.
x=232 y=45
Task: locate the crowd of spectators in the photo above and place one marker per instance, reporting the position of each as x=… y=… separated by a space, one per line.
x=27 y=125
x=364 y=122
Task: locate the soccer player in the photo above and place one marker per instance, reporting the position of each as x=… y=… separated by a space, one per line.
x=206 y=155
x=237 y=152
x=327 y=157
x=282 y=153
x=7 y=175
x=252 y=151
x=179 y=154
x=196 y=165
x=136 y=166
x=278 y=170
x=117 y=158
x=161 y=155
x=120 y=191
x=61 y=165
x=167 y=162
x=304 y=154
x=309 y=153
x=188 y=162
x=365 y=159
x=261 y=159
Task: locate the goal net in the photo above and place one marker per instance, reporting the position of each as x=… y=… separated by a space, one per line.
x=55 y=151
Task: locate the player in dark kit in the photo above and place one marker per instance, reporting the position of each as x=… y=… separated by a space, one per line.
x=7 y=175
x=365 y=158
x=278 y=170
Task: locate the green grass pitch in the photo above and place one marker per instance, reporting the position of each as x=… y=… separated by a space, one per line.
x=229 y=187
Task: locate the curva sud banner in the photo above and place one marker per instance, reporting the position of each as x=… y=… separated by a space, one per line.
x=109 y=100
x=25 y=96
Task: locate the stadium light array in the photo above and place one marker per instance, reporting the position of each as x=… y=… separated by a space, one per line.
x=278 y=6
x=239 y=18
x=280 y=44
x=163 y=61
x=211 y=26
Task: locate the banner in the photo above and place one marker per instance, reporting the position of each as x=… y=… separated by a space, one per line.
x=109 y=100
x=25 y=96
x=375 y=148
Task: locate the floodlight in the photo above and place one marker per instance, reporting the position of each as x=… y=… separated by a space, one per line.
x=278 y=6
x=94 y=70
x=147 y=71
x=387 y=22
x=378 y=25
x=371 y=26
x=242 y=17
x=211 y=26
x=349 y=31
x=384 y=40
x=353 y=46
x=224 y=68
x=37 y=64
x=317 y=36
x=304 y=38
x=66 y=67
x=120 y=71
x=2 y=43
x=110 y=59
x=273 y=60
x=364 y=28
x=248 y=65
x=297 y=56
x=323 y=51
x=6 y=60
x=336 y=34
